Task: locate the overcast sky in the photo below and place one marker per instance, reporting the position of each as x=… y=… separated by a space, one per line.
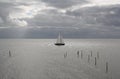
x=73 y=18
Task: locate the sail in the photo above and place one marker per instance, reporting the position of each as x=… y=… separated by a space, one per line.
x=60 y=39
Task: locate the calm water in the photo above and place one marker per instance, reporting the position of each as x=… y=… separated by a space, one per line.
x=41 y=59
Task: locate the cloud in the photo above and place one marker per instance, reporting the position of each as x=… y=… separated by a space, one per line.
x=5 y=8
x=97 y=15
x=95 y=3
x=63 y=3
x=74 y=18
x=13 y=14
x=105 y=2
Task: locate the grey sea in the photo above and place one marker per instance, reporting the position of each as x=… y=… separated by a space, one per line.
x=78 y=59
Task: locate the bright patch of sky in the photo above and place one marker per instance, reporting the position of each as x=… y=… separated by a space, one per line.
x=105 y=2
x=93 y=3
x=26 y=11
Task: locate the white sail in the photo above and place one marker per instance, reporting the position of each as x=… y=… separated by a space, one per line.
x=60 y=39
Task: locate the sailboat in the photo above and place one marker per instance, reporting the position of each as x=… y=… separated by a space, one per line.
x=59 y=41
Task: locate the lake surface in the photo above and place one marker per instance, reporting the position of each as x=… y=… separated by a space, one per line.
x=41 y=59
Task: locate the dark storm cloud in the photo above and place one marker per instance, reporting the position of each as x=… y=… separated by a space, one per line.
x=105 y=16
x=52 y=20
x=91 y=22
x=53 y=32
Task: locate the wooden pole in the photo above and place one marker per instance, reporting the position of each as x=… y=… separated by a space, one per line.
x=88 y=58
x=95 y=61
x=77 y=53
x=106 y=67
x=9 y=53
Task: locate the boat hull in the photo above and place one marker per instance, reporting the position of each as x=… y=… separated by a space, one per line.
x=59 y=44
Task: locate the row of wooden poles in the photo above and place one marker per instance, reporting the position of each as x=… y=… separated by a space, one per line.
x=78 y=54
x=89 y=56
